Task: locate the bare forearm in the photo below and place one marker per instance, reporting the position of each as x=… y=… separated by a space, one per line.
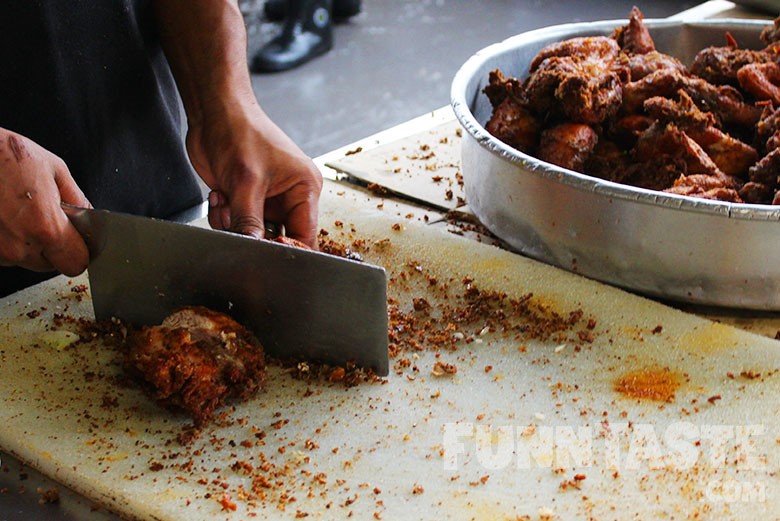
x=254 y=170
x=205 y=42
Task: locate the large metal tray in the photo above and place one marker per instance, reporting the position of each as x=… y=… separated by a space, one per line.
x=676 y=247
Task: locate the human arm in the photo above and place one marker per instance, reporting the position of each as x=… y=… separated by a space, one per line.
x=35 y=233
x=253 y=168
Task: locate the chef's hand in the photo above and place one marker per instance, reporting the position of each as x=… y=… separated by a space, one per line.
x=256 y=173
x=34 y=231
x=255 y=170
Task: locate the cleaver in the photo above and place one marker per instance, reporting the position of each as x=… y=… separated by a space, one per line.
x=301 y=304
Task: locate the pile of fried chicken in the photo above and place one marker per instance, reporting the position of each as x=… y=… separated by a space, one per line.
x=616 y=108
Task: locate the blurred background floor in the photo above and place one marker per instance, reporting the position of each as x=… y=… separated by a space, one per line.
x=396 y=59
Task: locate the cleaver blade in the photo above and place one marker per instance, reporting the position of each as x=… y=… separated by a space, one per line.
x=301 y=304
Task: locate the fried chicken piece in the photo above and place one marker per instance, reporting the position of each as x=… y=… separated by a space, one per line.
x=715 y=185
x=720 y=65
x=663 y=83
x=627 y=129
x=642 y=65
x=731 y=155
x=767 y=170
x=500 y=87
x=515 y=126
x=671 y=142
x=195 y=360
x=589 y=48
x=762 y=80
x=568 y=145
x=578 y=79
x=289 y=241
x=763 y=177
x=771 y=33
x=658 y=173
x=510 y=121
x=716 y=193
x=706 y=182
x=607 y=161
x=671 y=150
x=683 y=112
x=724 y=101
x=704 y=179
x=768 y=129
x=643 y=58
x=773 y=142
x=634 y=38
x=756 y=193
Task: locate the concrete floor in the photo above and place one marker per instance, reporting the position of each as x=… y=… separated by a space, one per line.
x=389 y=64
x=396 y=59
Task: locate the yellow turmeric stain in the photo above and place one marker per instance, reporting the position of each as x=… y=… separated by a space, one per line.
x=709 y=339
x=654 y=383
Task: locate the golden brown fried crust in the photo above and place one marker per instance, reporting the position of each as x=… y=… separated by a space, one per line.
x=642 y=65
x=515 y=126
x=289 y=241
x=634 y=38
x=771 y=33
x=716 y=194
x=756 y=193
x=731 y=155
x=657 y=173
x=607 y=161
x=767 y=170
x=500 y=87
x=762 y=80
x=671 y=142
x=578 y=79
x=591 y=49
x=720 y=65
x=196 y=360
x=768 y=129
x=723 y=101
x=568 y=145
x=511 y=121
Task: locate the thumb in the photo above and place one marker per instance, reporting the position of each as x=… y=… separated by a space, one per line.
x=69 y=191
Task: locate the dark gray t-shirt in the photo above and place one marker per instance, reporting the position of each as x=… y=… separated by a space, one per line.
x=87 y=80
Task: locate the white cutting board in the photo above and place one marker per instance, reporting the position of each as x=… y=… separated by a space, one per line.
x=406 y=449
x=423 y=167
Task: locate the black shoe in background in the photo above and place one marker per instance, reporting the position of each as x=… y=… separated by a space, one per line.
x=307 y=33
x=343 y=9
x=276 y=10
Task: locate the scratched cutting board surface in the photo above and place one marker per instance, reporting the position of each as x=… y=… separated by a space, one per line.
x=423 y=167
x=515 y=394
x=408 y=166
